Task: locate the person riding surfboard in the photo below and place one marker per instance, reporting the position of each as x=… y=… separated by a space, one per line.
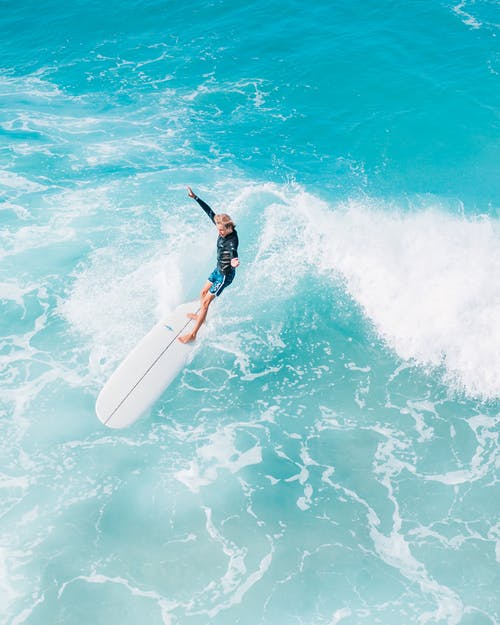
x=224 y=272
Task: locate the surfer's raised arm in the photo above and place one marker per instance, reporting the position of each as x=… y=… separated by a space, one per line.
x=204 y=205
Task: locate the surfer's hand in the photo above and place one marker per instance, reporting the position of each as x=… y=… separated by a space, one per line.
x=190 y=193
x=235 y=262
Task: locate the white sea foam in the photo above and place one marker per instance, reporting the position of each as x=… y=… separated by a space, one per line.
x=31 y=86
x=485 y=457
x=236 y=581
x=165 y=605
x=16 y=181
x=117 y=297
x=17 y=209
x=26 y=613
x=250 y=89
x=113 y=302
x=11 y=290
x=427 y=282
x=393 y=546
x=467 y=18
x=33 y=237
x=340 y=615
x=417 y=410
x=425 y=279
x=218 y=453
x=7 y=592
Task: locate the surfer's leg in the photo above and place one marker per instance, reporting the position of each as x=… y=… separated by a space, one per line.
x=205 y=303
x=203 y=293
x=205 y=290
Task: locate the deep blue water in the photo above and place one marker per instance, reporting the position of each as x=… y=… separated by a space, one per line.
x=330 y=455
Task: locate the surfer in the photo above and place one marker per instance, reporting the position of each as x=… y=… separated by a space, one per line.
x=223 y=274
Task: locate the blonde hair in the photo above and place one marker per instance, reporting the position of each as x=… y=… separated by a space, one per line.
x=225 y=220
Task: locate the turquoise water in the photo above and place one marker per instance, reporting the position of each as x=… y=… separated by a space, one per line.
x=330 y=455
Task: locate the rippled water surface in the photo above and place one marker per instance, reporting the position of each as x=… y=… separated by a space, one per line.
x=330 y=454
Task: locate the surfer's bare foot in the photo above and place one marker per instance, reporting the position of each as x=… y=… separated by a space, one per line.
x=187 y=338
x=192 y=315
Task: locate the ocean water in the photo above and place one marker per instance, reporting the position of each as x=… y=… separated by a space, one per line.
x=330 y=455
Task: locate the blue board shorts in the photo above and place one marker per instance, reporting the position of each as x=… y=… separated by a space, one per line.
x=220 y=281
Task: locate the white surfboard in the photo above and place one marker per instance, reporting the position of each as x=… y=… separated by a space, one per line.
x=147 y=370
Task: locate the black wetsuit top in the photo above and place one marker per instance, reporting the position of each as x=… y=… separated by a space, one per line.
x=227 y=247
